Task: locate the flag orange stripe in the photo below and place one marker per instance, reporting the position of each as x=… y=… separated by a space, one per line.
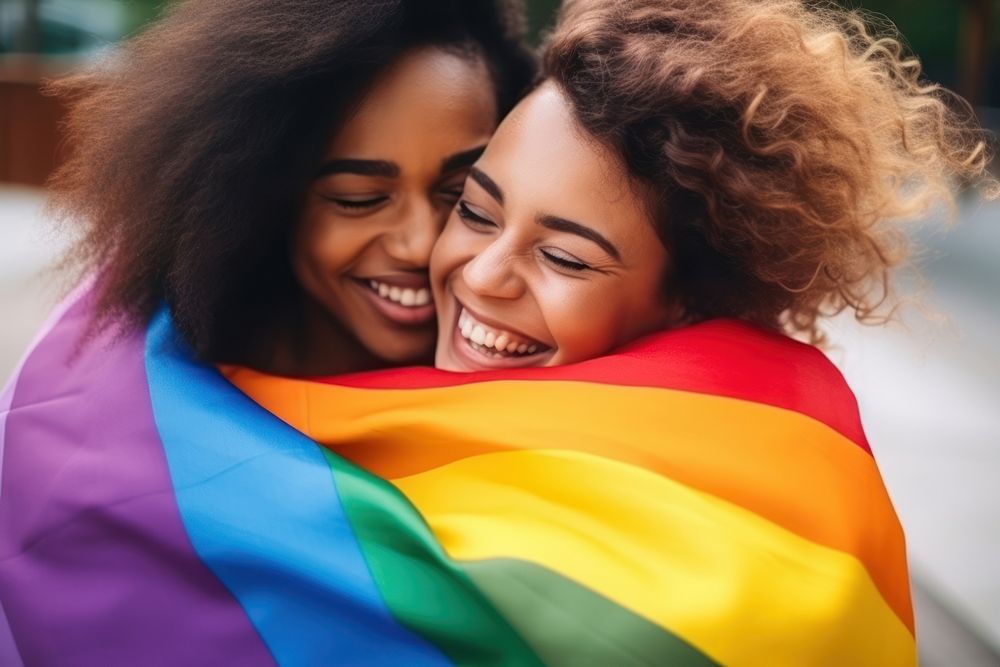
x=786 y=467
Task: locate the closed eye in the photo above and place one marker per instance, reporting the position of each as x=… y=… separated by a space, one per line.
x=473 y=218
x=564 y=262
x=451 y=194
x=356 y=204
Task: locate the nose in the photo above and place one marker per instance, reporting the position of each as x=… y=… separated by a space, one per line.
x=493 y=272
x=413 y=235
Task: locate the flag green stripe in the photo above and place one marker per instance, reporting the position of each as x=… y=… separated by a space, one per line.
x=421 y=586
x=568 y=624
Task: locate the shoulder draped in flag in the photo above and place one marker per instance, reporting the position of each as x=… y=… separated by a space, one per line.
x=704 y=496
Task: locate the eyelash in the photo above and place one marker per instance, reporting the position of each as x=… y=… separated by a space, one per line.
x=466 y=214
x=565 y=263
x=355 y=204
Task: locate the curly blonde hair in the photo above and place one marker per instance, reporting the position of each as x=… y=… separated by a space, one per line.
x=785 y=142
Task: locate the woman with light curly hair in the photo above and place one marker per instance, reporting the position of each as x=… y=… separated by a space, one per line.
x=719 y=175
x=759 y=155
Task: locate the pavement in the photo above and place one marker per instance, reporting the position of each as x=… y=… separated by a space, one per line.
x=28 y=286
x=928 y=387
x=929 y=392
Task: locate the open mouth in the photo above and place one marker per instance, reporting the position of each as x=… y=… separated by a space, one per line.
x=406 y=297
x=491 y=346
x=403 y=304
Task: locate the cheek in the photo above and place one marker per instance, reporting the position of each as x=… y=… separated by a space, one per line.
x=587 y=320
x=452 y=249
x=580 y=317
x=647 y=311
x=327 y=245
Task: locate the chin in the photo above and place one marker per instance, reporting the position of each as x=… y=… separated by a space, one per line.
x=442 y=363
x=404 y=355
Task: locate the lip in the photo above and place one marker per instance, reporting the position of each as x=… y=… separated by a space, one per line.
x=394 y=312
x=474 y=360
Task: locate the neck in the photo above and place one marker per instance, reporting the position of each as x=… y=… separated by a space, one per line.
x=312 y=345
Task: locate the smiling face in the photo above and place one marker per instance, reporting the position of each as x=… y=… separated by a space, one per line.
x=390 y=177
x=550 y=256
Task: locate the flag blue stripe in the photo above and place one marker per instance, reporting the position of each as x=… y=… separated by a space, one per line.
x=260 y=505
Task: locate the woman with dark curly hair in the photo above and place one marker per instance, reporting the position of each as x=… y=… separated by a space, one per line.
x=277 y=171
x=268 y=178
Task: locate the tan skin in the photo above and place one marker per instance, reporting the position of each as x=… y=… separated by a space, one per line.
x=551 y=253
x=390 y=176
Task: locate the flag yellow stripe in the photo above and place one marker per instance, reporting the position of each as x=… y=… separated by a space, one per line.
x=742 y=590
x=788 y=468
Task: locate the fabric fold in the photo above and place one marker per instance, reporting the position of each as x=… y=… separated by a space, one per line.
x=704 y=496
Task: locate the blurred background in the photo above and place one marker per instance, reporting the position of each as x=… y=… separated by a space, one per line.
x=929 y=385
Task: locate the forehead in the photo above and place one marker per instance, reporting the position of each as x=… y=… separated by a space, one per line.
x=546 y=164
x=428 y=102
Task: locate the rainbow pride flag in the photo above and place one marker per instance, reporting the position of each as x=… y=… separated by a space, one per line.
x=704 y=496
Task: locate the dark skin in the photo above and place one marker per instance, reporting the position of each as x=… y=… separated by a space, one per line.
x=390 y=177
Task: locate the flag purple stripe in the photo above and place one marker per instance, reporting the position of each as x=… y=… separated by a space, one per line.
x=7 y=395
x=9 y=654
x=95 y=566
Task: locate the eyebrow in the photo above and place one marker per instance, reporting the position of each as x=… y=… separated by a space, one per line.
x=564 y=225
x=487 y=183
x=388 y=169
x=360 y=167
x=461 y=160
x=549 y=221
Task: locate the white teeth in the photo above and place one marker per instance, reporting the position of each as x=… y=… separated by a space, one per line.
x=486 y=339
x=478 y=335
x=404 y=296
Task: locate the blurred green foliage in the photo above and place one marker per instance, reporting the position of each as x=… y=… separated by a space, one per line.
x=541 y=15
x=71 y=26
x=936 y=30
